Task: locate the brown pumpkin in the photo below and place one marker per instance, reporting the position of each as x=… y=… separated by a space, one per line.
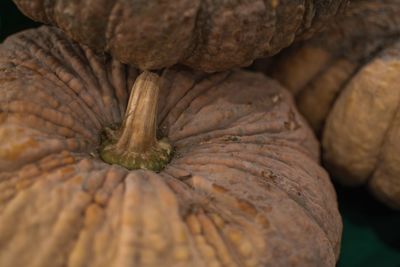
x=347 y=84
x=243 y=187
x=206 y=35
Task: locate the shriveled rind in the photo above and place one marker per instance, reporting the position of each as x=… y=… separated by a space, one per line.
x=207 y=35
x=346 y=83
x=243 y=189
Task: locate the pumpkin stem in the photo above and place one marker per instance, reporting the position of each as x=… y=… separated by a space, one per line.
x=135 y=145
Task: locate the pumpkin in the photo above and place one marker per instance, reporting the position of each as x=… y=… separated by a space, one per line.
x=237 y=180
x=206 y=35
x=347 y=84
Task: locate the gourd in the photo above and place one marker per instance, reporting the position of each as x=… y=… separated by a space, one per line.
x=206 y=35
x=347 y=84
x=236 y=180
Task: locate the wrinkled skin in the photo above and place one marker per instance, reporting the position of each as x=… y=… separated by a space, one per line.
x=347 y=84
x=244 y=187
x=203 y=34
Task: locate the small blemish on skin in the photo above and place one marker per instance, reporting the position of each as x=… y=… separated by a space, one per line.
x=273 y=177
x=185 y=177
x=232 y=138
x=276 y=98
x=177 y=155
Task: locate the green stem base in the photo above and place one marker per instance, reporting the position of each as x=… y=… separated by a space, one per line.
x=155 y=158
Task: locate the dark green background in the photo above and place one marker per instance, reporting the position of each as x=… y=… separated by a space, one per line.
x=371 y=231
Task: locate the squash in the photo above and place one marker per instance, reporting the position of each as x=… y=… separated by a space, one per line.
x=237 y=180
x=206 y=35
x=347 y=84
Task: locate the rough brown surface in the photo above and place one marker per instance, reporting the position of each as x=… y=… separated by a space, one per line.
x=204 y=34
x=244 y=187
x=347 y=84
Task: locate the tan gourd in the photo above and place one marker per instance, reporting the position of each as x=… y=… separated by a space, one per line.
x=347 y=84
x=207 y=35
x=239 y=183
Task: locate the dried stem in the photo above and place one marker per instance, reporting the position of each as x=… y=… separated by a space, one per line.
x=135 y=145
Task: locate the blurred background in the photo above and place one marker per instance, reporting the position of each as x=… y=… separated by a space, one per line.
x=371 y=236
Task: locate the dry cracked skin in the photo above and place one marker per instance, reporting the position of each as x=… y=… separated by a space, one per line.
x=347 y=85
x=243 y=188
x=203 y=34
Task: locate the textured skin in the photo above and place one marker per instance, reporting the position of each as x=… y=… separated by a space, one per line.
x=205 y=34
x=244 y=187
x=347 y=84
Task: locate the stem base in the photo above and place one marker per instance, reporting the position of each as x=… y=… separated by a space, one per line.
x=155 y=158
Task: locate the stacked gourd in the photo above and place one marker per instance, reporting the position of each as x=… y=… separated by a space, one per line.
x=119 y=147
x=347 y=84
